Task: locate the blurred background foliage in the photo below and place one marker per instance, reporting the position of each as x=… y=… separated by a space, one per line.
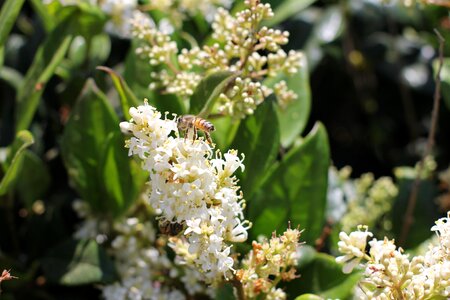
x=365 y=101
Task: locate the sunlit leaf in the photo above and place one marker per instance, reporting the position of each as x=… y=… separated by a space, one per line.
x=293 y=118
x=13 y=164
x=296 y=190
x=8 y=14
x=127 y=97
x=287 y=9
x=207 y=92
x=309 y=297
x=258 y=138
x=78 y=262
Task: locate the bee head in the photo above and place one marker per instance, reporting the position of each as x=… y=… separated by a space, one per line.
x=181 y=124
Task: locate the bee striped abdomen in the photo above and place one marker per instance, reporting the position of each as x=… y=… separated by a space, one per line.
x=204 y=125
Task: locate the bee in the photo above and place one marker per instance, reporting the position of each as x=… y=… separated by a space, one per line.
x=187 y=122
x=170 y=228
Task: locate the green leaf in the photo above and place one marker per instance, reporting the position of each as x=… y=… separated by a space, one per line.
x=78 y=262
x=309 y=297
x=41 y=10
x=445 y=79
x=296 y=190
x=137 y=75
x=82 y=144
x=323 y=276
x=14 y=161
x=258 y=138
x=8 y=14
x=287 y=9
x=425 y=212
x=226 y=129
x=293 y=118
x=123 y=181
x=48 y=57
x=127 y=97
x=34 y=179
x=207 y=92
x=12 y=77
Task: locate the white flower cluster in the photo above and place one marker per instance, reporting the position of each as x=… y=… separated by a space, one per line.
x=268 y=263
x=241 y=45
x=188 y=186
x=361 y=200
x=391 y=274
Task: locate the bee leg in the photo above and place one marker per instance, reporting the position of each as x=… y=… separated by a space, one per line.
x=208 y=137
x=194 y=137
x=185 y=134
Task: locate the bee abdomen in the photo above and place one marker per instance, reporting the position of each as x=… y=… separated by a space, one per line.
x=204 y=125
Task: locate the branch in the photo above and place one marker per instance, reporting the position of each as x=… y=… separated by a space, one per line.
x=409 y=218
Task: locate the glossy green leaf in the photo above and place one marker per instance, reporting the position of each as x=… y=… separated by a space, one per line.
x=207 y=92
x=80 y=262
x=258 y=138
x=13 y=164
x=296 y=190
x=34 y=179
x=294 y=117
x=287 y=9
x=8 y=14
x=82 y=144
x=127 y=97
x=323 y=276
x=122 y=181
x=48 y=57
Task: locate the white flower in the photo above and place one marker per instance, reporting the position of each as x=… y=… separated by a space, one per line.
x=189 y=186
x=353 y=247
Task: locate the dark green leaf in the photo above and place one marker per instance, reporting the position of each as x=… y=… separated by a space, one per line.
x=34 y=179
x=82 y=144
x=8 y=14
x=258 y=138
x=122 y=180
x=287 y=9
x=78 y=262
x=324 y=277
x=225 y=292
x=47 y=58
x=425 y=212
x=207 y=92
x=127 y=97
x=293 y=118
x=296 y=190
x=13 y=164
